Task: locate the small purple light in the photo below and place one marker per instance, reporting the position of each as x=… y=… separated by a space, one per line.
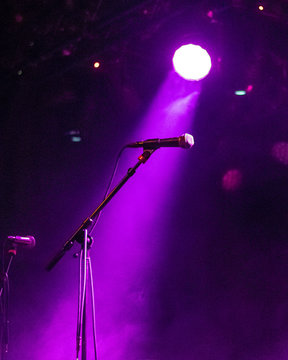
x=192 y=62
x=232 y=180
x=280 y=152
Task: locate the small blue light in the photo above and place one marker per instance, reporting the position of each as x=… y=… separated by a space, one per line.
x=76 y=138
x=240 y=92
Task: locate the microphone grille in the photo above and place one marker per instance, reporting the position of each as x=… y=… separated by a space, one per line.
x=27 y=241
x=186 y=141
x=33 y=241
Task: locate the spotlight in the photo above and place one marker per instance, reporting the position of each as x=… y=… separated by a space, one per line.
x=192 y=62
x=96 y=64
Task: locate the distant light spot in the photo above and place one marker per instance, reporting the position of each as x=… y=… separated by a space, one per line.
x=280 y=152
x=76 y=139
x=74 y=135
x=19 y=18
x=240 y=92
x=232 y=180
x=66 y=52
x=249 y=88
x=210 y=14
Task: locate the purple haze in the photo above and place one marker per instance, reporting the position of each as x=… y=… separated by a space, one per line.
x=130 y=239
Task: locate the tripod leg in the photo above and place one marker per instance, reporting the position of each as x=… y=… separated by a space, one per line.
x=81 y=322
x=80 y=294
x=93 y=306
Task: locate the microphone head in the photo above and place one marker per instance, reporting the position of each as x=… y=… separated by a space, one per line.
x=186 y=141
x=26 y=241
x=32 y=242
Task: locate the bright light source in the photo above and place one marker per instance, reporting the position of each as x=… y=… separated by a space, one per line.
x=261 y=7
x=192 y=62
x=96 y=64
x=240 y=92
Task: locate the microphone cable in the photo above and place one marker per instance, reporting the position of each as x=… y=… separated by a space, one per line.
x=95 y=222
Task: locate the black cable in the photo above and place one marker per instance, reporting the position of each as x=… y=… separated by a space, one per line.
x=95 y=222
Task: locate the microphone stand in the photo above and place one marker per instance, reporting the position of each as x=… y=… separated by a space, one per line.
x=4 y=297
x=83 y=236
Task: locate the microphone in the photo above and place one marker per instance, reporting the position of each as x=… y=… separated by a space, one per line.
x=185 y=141
x=28 y=241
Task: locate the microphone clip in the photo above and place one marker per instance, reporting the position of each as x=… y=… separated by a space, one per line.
x=146 y=154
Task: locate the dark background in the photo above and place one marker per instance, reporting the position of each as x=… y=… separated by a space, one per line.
x=219 y=288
